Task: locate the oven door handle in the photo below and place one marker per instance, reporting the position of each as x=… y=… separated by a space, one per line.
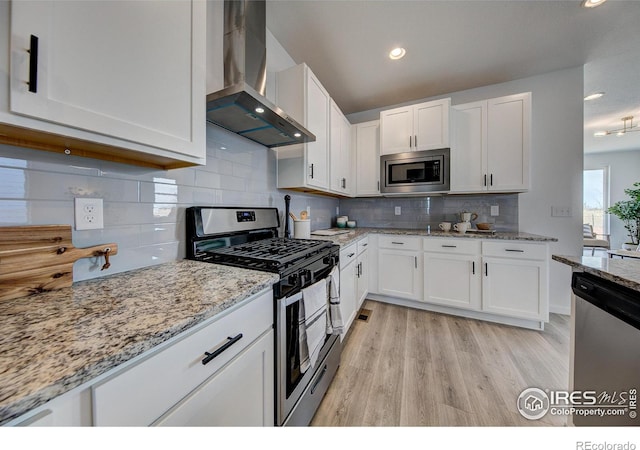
x=293 y=299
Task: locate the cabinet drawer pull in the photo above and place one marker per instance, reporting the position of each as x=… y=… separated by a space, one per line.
x=449 y=246
x=398 y=243
x=350 y=255
x=364 y=245
x=513 y=250
x=218 y=351
x=33 y=64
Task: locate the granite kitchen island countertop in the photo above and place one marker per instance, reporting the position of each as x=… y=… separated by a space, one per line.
x=356 y=233
x=625 y=272
x=55 y=341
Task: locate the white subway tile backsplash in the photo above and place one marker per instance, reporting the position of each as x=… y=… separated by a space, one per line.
x=144 y=209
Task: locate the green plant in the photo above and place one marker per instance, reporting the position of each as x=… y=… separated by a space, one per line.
x=629 y=212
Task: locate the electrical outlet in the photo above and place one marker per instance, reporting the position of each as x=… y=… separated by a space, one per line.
x=89 y=213
x=337 y=210
x=561 y=211
x=495 y=210
x=308 y=211
x=398 y=210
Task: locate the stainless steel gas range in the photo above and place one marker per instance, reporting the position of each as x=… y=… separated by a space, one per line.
x=248 y=238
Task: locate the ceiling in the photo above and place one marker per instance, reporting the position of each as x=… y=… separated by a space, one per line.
x=454 y=45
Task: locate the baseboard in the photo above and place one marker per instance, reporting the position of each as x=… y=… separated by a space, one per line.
x=559 y=309
x=478 y=315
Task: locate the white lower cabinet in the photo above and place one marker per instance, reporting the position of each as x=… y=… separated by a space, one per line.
x=515 y=279
x=240 y=394
x=72 y=409
x=400 y=266
x=362 y=273
x=452 y=273
x=503 y=281
x=354 y=282
x=177 y=382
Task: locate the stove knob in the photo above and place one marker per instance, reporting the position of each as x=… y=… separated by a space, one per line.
x=293 y=279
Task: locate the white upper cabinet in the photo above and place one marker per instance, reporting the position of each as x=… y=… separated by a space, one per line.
x=137 y=86
x=491 y=145
x=424 y=126
x=509 y=142
x=342 y=179
x=304 y=166
x=366 y=141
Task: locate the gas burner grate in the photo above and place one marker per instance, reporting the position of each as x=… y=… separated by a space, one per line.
x=267 y=254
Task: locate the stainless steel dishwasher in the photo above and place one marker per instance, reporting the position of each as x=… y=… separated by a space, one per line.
x=607 y=349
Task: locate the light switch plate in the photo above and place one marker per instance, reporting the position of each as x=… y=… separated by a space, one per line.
x=398 y=210
x=89 y=213
x=495 y=210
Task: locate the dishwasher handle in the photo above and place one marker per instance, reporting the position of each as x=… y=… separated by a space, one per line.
x=617 y=300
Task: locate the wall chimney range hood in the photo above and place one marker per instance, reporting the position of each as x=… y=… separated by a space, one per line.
x=241 y=107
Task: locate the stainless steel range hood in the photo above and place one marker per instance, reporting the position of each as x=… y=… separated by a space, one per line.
x=241 y=106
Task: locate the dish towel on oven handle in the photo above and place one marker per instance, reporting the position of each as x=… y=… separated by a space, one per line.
x=334 y=317
x=312 y=323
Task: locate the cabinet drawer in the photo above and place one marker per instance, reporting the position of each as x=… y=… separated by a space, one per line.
x=140 y=394
x=513 y=249
x=399 y=242
x=363 y=244
x=457 y=246
x=348 y=254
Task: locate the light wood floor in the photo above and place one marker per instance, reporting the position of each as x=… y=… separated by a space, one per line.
x=407 y=367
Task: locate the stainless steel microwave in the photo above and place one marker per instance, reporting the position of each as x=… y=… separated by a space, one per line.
x=415 y=172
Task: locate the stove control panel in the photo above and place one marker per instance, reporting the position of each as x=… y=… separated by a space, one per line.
x=246 y=216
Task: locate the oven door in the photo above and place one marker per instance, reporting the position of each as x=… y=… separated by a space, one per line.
x=292 y=383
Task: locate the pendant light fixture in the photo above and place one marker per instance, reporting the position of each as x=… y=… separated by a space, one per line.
x=628 y=127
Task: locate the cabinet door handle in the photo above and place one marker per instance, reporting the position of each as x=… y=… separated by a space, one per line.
x=218 y=351
x=378 y=185
x=344 y=183
x=486 y=269
x=491 y=180
x=485 y=179
x=513 y=250
x=415 y=259
x=449 y=246
x=33 y=64
x=398 y=243
x=311 y=170
x=473 y=267
x=415 y=141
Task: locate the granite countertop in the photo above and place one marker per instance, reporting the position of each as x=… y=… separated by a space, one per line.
x=55 y=341
x=625 y=272
x=356 y=233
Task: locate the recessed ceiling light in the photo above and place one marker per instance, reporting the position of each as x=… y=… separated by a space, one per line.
x=297 y=135
x=397 y=53
x=600 y=133
x=259 y=110
x=592 y=3
x=593 y=96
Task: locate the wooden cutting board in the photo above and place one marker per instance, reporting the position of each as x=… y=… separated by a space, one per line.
x=39 y=258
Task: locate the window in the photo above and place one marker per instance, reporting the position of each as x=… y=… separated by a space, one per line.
x=596 y=199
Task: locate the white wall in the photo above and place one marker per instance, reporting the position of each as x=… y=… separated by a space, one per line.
x=624 y=170
x=556 y=163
